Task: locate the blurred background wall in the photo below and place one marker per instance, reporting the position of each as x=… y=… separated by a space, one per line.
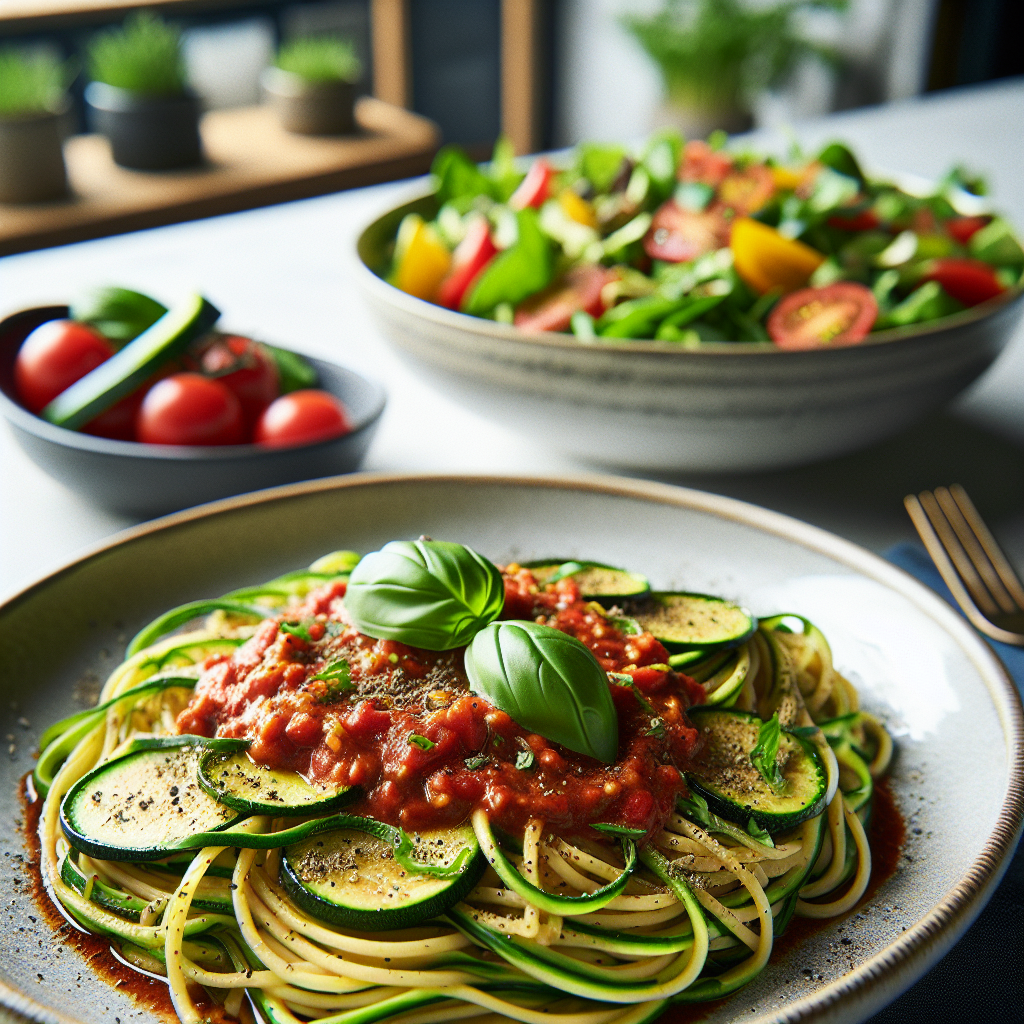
x=593 y=78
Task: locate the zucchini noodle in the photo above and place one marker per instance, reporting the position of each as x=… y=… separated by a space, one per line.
x=591 y=933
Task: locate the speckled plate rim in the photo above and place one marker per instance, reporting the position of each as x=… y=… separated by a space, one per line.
x=886 y=974
x=373 y=282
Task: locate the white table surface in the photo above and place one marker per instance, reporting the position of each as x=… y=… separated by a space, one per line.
x=281 y=274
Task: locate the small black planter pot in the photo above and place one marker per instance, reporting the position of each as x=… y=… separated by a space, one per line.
x=146 y=133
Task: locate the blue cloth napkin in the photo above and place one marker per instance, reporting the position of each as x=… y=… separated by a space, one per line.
x=980 y=979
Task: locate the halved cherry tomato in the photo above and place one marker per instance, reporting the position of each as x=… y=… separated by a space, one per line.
x=865 y=220
x=746 y=191
x=962 y=228
x=676 y=234
x=471 y=255
x=702 y=163
x=245 y=368
x=552 y=310
x=838 y=314
x=188 y=408
x=535 y=187
x=767 y=260
x=968 y=281
x=302 y=417
x=53 y=357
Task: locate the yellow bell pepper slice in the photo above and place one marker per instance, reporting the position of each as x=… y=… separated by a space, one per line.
x=422 y=260
x=577 y=208
x=767 y=260
x=787 y=178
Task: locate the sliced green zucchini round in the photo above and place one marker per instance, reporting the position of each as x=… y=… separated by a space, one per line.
x=146 y=803
x=724 y=774
x=355 y=877
x=686 y=622
x=232 y=778
x=597 y=582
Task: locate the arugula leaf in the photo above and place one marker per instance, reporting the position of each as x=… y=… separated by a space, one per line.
x=420 y=741
x=764 y=756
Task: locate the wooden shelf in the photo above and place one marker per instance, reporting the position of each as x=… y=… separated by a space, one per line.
x=251 y=161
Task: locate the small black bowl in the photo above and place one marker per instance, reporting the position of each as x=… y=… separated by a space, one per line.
x=151 y=479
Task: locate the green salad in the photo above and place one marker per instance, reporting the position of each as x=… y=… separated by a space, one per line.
x=690 y=243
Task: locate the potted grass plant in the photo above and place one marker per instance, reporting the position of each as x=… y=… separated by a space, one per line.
x=312 y=84
x=138 y=96
x=716 y=55
x=32 y=108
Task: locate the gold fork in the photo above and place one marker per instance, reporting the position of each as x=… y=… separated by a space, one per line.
x=970 y=561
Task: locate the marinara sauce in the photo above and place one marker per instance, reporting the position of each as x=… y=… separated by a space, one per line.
x=426 y=752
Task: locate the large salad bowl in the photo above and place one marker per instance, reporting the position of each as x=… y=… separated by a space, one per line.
x=656 y=406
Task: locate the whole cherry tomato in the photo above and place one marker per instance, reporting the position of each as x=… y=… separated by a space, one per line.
x=244 y=367
x=187 y=408
x=838 y=314
x=302 y=417
x=53 y=357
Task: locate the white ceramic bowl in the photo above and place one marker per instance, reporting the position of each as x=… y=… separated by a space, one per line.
x=656 y=406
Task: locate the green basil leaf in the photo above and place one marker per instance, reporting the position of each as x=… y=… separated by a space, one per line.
x=119 y=314
x=758 y=833
x=696 y=807
x=524 y=760
x=548 y=682
x=479 y=761
x=423 y=742
x=764 y=756
x=426 y=593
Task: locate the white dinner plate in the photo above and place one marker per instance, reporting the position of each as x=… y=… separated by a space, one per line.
x=955 y=715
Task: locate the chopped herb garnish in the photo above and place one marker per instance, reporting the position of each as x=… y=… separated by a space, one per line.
x=298 y=629
x=338 y=678
x=695 y=807
x=758 y=833
x=764 y=756
x=524 y=760
x=656 y=726
x=479 y=761
x=333 y=628
x=421 y=741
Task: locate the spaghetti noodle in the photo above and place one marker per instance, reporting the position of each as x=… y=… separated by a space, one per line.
x=667 y=899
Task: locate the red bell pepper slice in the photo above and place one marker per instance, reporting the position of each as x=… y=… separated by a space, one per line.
x=471 y=255
x=968 y=281
x=535 y=187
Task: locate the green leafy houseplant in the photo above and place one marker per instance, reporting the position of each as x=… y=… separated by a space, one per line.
x=31 y=104
x=30 y=83
x=312 y=85
x=143 y=57
x=320 y=59
x=714 y=55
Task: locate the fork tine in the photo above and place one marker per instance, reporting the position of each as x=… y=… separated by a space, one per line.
x=1000 y=562
x=938 y=555
x=954 y=549
x=975 y=551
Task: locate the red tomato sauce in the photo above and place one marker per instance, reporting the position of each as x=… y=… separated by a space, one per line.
x=358 y=733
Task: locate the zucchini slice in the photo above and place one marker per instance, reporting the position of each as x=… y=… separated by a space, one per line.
x=725 y=776
x=597 y=582
x=147 y=803
x=232 y=778
x=371 y=876
x=124 y=371
x=687 y=622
